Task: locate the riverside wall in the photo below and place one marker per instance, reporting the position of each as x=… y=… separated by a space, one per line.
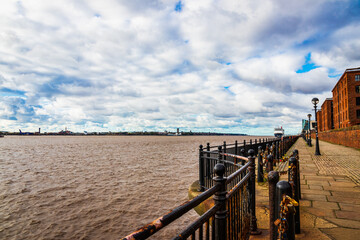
x=345 y=137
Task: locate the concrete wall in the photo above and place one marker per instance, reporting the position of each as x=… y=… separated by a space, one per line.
x=345 y=137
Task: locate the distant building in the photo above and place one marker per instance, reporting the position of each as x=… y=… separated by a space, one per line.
x=346 y=99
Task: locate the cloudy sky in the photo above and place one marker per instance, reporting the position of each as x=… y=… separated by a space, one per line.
x=201 y=65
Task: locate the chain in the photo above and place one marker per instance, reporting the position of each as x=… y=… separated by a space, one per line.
x=287 y=205
x=292 y=168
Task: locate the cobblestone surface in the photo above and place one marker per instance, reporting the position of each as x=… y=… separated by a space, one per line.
x=337 y=160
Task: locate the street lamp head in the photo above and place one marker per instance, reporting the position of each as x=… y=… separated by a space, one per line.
x=309 y=115
x=315 y=101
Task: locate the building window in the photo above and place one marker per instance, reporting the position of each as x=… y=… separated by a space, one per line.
x=357 y=77
x=358 y=101
x=358 y=113
x=357 y=89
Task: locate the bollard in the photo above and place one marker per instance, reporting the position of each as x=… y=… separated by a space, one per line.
x=293 y=180
x=269 y=166
x=273 y=178
x=260 y=175
x=253 y=222
x=220 y=198
x=283 y=188
x=296 y=152
x=201 y=169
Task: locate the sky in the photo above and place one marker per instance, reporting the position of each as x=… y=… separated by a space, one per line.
x=154 y=65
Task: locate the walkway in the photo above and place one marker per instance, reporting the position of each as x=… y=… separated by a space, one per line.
x=330 y=187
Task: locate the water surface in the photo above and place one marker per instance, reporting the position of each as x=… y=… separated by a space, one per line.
x=95 y=187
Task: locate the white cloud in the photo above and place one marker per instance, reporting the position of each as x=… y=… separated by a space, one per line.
x=139 y=65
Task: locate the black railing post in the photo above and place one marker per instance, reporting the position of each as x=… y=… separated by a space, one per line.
x=236 y=147
x=201 y=168
x=293 y=180
x=284 y=188
x=219 y=154
x=260 y=166
x=273 y=178
x=253 y=222
x=224 y=149
x=296 y=153
x=208 y=167
x=220 y=198
x=244 y=148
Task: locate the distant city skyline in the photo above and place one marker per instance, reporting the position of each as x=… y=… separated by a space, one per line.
x=205 y=66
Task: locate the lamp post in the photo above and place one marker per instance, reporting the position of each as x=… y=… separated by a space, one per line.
x=309 y=133
x=315 y=101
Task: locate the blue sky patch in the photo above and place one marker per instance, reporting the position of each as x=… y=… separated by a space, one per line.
x=333 y=73
x=178 y=6
x=222 y=61
x=308 y=66
x=229 y=91
x=11 y=93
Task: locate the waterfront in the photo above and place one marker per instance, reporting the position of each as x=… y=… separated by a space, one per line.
x=98 y=187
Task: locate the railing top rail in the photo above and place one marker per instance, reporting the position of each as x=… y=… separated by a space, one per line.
x=242 y=182
x=159 y=223
x=234 y=156
x=238 y=172
x=213 y=152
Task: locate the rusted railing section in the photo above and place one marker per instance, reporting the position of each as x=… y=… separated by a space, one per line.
x=231 y=217
x=269 y=152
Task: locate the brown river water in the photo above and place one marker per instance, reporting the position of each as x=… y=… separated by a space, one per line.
x=95 y=187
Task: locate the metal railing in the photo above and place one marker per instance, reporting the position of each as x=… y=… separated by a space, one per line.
x=234 y=155
x=233 y=214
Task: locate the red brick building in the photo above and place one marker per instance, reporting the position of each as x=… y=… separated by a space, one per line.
x=343 y=109
x=327 y=115
x=319 y=120
x=346 y=99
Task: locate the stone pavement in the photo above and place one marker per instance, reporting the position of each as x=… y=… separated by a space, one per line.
x=330 y=188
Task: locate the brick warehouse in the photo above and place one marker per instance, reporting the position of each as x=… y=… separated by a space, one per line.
x=343 y=110
x=327 y=115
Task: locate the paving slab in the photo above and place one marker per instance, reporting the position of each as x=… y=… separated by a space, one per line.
x=345 y=222
x=348 y=215
x=342 y=233
x=306 y=196
x=325 y=205
x=316 y=191
x=341 y=199
x=314 y=187
x=349 y=207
